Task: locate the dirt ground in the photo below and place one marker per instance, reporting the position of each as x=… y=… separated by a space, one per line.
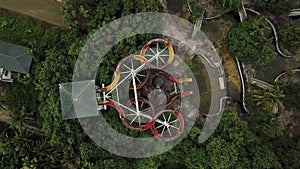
x=46 y=10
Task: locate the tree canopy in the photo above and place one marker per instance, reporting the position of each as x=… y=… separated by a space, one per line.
x=289 y=37
x=226 y=4
x=292 y=91
x=252 y=41
x=33 y=101
x=279 y=6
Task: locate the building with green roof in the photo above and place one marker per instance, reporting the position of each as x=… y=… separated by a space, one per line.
x=13 y=58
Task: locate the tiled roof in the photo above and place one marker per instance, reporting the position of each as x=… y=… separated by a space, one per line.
x=14 y=57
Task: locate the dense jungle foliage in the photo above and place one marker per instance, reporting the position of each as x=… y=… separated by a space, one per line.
x=34 y=101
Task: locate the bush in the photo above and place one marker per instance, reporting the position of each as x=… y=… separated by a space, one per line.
x=86 y=15
x=226 y=4
x=252 y=42
x=279 y=6
x=197 y=13
x=289 y=37
x=292 y=92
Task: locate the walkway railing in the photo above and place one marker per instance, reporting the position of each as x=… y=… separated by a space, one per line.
x=284 y=73
x=275 y=35
x=242 y=12
x=295 y=12
x=242 y=83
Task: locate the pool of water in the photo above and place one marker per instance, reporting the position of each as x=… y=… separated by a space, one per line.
x=296 y=20
x=269 y=72
x=216 y=30
x=175 y=6
x=212 y=30
x=203 y=82
x=178 y=8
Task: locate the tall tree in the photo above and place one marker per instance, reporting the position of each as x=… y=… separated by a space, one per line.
x=289 y=37
x=252 y=41
x=268 y=99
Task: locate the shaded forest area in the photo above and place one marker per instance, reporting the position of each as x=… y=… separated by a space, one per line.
x=33 y=100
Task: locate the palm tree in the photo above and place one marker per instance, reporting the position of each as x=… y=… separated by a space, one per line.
x=289 y=36
x=269 y=99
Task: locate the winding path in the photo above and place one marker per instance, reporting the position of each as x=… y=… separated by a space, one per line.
x=243 y=15
x=275 y=35
x=255 y=81
x=284 y=73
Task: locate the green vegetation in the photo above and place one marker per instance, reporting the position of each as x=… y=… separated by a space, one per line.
x=293 y=92
x=289 y=38
x=88 y=15
x=34 y=101
x=252 y=42
x=268 y=99
x=279 y=6
x=197 y=13
x=226 y=4
x=264 y=123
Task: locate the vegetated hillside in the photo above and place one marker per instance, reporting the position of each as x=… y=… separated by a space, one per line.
x=33 y=100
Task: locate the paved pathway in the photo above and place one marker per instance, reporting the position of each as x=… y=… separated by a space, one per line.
x=260 y=83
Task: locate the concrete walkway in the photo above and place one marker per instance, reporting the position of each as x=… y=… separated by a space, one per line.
x=260 y=83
